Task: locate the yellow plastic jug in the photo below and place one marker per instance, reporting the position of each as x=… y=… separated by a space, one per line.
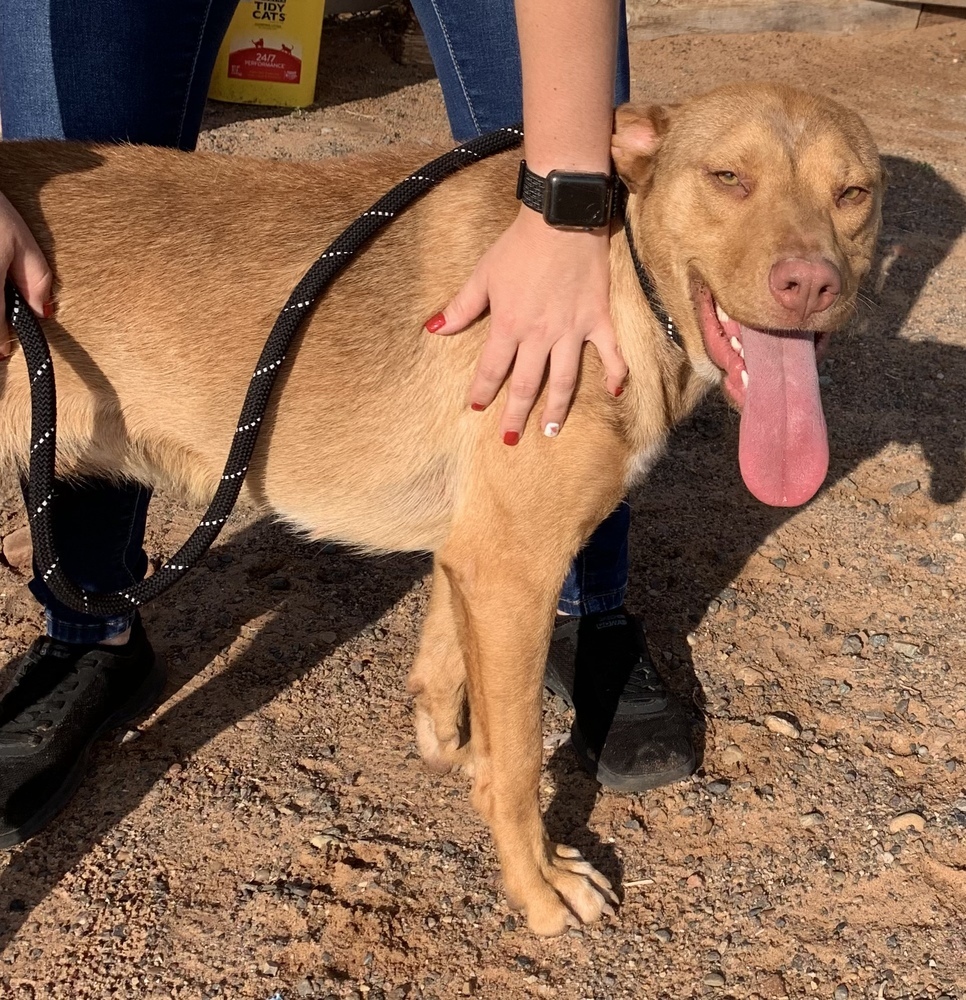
x=270 y=54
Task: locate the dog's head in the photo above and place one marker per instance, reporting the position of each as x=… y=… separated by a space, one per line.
x=756 y=209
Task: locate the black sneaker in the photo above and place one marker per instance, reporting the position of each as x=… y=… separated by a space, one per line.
x=60 y=698
x=630 y=732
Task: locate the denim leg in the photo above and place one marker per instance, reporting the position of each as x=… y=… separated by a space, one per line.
x=99 y=537
x=597 y=580
x=477 y=58
x=105 y=71
x=108 y=70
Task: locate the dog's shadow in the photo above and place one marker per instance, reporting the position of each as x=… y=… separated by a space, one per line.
x=866 y=412
x=199 y=620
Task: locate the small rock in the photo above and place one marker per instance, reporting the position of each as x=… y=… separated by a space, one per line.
x=907 y=649
x=695 y=881
x=324 y=840
x=18 y=550
x=750 y=677
x=305 y=988
x=718 y=787
x=841 y=992
x=907 y=821
x=732 y=755
x=812 y=819
x=783 y=725
x=905 y=489
x=714 y=979
x=327 y=637
x=663 y=934
x=852 y=645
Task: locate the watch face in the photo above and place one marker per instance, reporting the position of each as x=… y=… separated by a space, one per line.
x=579 y=201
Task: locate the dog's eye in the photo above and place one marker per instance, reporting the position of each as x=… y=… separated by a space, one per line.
x=853 y=195
x=728 y=178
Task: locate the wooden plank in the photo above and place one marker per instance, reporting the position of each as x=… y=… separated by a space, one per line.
x=927 y=6
x=658 y=18
x=933 y=13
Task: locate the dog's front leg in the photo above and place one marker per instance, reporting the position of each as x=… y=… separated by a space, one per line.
x=504 y=612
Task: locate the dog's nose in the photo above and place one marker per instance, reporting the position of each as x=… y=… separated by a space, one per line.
x=804 y=287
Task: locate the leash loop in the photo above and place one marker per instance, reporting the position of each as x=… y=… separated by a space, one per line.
x=43 y=402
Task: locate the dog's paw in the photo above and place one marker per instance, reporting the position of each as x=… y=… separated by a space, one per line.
x=569 y=892
x=441 y=753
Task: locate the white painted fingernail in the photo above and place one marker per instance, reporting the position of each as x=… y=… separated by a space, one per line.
x=551 y=430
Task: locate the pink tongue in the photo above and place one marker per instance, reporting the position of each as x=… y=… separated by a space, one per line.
x=783 y=447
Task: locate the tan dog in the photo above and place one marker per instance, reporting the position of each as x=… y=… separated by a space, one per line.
x=755 y=209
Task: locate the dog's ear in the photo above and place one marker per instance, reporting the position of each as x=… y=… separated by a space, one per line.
x=637 y=137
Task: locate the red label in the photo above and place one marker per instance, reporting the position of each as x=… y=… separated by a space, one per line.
x=264 y=64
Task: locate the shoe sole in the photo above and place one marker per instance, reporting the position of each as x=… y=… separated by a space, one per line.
x=551 y=683
x=144 y=699
x=625 y=782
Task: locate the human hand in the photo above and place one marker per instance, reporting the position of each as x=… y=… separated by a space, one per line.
x=22 y=261
x=548 y=291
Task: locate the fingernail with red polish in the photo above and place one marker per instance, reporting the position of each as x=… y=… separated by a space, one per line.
x=479 y=407
x=436 y=322
x=511 y=437
x=48 y=310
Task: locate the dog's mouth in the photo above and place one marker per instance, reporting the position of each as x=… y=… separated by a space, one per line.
x=772 y=377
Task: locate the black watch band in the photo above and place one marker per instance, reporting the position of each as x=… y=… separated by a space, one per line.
x=569 y=200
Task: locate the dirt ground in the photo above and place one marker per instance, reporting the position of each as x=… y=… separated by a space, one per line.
x=269 y=832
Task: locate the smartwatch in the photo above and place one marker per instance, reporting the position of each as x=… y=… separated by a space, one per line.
x=568 y=200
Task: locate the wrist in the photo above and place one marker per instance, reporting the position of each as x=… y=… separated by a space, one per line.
x=568 y=199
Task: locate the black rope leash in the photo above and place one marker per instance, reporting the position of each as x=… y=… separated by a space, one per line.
x=43 y=432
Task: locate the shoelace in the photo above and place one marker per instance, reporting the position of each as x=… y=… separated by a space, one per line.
x=39 y=713
x=644 y=682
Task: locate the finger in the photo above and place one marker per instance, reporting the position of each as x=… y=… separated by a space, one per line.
x=496 y=359
x=528 y=372
x=615 y=368
x=31 y=273
x=468 y=303
x=564 y=366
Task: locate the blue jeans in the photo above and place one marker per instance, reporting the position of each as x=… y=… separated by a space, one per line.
x=123 y=70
